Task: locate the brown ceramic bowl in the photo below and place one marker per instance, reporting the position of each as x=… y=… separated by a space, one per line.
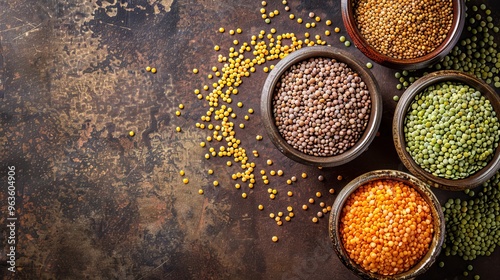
x=409 y=64
x=268 y=116
x=426 y=193
x=398 y=134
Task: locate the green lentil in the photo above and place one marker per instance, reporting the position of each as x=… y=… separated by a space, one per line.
x=451 y=130
x=369 y=65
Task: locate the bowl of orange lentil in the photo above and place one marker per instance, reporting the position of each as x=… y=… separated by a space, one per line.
x=387 y=224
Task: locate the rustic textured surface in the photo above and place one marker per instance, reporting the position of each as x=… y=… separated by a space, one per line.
x=94 y=203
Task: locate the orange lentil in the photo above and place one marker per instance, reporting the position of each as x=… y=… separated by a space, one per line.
x=386 y=227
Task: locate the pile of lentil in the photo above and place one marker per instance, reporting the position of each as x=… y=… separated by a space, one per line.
x=321 y=106
x=386 y=227
x=473 y=226
x=451 y=130
x=403 y=29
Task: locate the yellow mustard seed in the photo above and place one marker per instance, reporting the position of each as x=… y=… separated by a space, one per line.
x=291 y=16
x=229 y=163
x=328 y=22
x=250 y=111
x=258 y=137
x=321 y=204
x=237 y=186
x=313 y=24
x=244 y=195
x=148 y=69
x=177 y=113
x=299 y=20
x=308 y=25
x=216 y=47
x=287 y=218
x=207 y=156
x=263 y=3
x=185 y=180
x=238 y=30
x=291 y=214
x=318 y=19
x=304 y=207
x=216 y=183
x=231 y=32
x=269 y=190
x=200 y=191
x=304 y=175
x=271 y=14
x=280 y=172
x=153 y=70
x=331 y=191
x=274 y=239
x=181 y=172
x=314 y=220
x=339 y=177
x=289 y=182
x=318 y=194
x=327 y=32
x=261 y=207
x=239 y=104
x=269 y=162
x=195 y=71
x=242 y=125
x=178 y=129
x=337 y=30
x=289 y=193
x=131 y=133
x=221 y=30
x=311 y=200
x=279 y=223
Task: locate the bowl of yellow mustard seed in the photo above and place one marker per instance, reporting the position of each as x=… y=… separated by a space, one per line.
x=404 y=34
x=387 y=224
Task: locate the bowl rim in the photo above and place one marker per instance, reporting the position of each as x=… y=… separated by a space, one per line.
x=437 y=54
x=404 y=103
x=422 y=188
x=341 y=56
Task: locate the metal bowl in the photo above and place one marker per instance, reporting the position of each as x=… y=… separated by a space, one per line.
x=404 y=103
x=423 y=189
x=409 y=64
x=267 y=107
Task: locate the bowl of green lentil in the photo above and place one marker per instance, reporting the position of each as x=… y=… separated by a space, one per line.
x=387 y=224
x=446 y=130
x=406 y=34
x=321 y=106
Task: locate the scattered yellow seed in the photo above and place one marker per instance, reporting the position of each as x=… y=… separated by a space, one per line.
x=328 y=208
x=216 y=183
x=273 y=30
x=261 y=207
x=266 y=182
x=269 y=190
x=337 y=30
x=290 y=193
x=221 y=30
x=318 y=19
x=207 y=156
x=250 y=111
x=200 y=191
x=321 y=204
x=195 y=71
x=313 y=24
x=287 y=218
x=271 y=215
x=318 y=194
x=276 y=12
x=314 y=220
x=238 y=30
x=237 y=186
x=289 y=182
x=308 y=25
x=328 y=22
x=269 y=162
x=324 y=210
x=263 y=3
x=148 y=69
x=153 y=70
x=339 y=177
x=275 y=239
x=178 y=129
x=304 y=175
x=258 y=137
x=291 y=214
x=210 y=172
x=229 y=163
x=332 y=191
x=244 y=195
x=182 y=172
x=289 y=208
x=304 y=207
x=216 y=47
x=271 y=14
x=266 y=69
x=239 y=104
x=299 y=20
x=272 y=196
x=131 y=133
x=272 y=172
x=311 y=200
x=231 y=32
x=279 y=223
x=327 y=32
x=275 y=191
x=291 y=16
x=177 y=113
x=185 y=180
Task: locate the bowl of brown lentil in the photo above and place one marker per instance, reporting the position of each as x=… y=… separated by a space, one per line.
x=320 y=106
x=446 y=130
x=387 y=224
x=404 y=34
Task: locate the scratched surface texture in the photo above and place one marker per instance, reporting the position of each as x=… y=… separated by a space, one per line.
x=95 y=203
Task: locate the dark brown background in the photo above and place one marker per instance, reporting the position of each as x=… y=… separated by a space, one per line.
x=97 y=204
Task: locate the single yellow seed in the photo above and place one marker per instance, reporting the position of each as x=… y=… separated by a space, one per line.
x=262 y=10
x=221 y=30
x=276 y=12
x=299 y=20
x=275 y=239
x=290 y=193
x=266 y=69
x=239 y=104
x=289 y=182
x=246 y=117
x=304 y=175
x=216 y=47
x=210 y=172
x=273 y=30
x=304 y=207
x=279 y=223
x=327 y=32
x=239 y=31
x=266 y=182
x=337 y=30
x=318 y=194
x=207 y=156
x=195 y=71
x=291 y=214
x=242 y=125
x=289 y=209
x=261 y=207
x=314 y=220
x=287 y=218
x=178 y=129
x=200 y=191
x=331 y=191
x=148 y=69
x=228 y=163
x=280 y=214
x=318 y=19
x=328 y=22
x=275 y=191
x=263 y=3
x=329 y=208
x=216 y=183
x=269 y=190
x=244 y=195
x=269 y=162
x=250 y=111
x=272 y=172
x=258 y=137
x=313 y=24
x=280 y=172
x=324 y=210
x=182 y=172
x=131 y=133
x=177 y=113
x=271 y=14
x=185 y=180
x=272 y=196
x=311 y=200
x=291 y=16
x=231 y=32
x=321 y=204
x=153 y=70
x=308 y=25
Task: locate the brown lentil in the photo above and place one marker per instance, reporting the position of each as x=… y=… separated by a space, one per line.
x=408 y=29
x=321 y=107
x=386 y=227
